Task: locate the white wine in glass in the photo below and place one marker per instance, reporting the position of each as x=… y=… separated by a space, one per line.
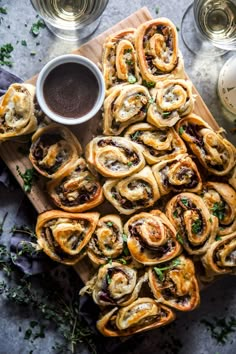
x=215 y=27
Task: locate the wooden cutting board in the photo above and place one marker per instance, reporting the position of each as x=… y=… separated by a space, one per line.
x=9 y=151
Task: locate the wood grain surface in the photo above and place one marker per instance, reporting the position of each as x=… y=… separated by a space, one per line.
x=9 y=151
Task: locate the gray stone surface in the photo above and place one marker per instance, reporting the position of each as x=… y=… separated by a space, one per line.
x=218 y=300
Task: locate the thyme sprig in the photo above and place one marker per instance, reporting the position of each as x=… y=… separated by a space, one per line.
x=220 y=328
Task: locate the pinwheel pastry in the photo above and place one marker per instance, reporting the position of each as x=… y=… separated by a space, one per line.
x=63 y=236
x=157 y=144
x=174 y=284
x=107 y=241
x=115 y=284
x=141 y=315
x=151 y=238
x=220 y=257
x=214 y=152
x=178 y=174
x=114 y=156
x=53 y=148
x=172 y=100
x=156 y=42
x=220 y=199
x=132 y=193
x=76 y=189
x=17 y=111
x=232 y=179
x=125 y=105
x=119 y=61
x=196 y=227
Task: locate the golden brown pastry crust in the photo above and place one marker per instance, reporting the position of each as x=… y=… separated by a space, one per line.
x=142 y=315
x=232 y=179
x=173 y=99
x=178 y=174
x=53 y=148
x=107 y=241
x=174 y=284
x=214 y=152
x=125 y=105
x=220 y=256
x=17 y=111
x=157 y=144
x=196 y=227
x=119 y=60
x=156 y=42
x=114 y=157
x=151 y=238
x=76 y=189
x=220 y=199
x=63 y=236
x=132 y=193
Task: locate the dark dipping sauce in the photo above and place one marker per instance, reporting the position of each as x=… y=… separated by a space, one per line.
x=70 y=90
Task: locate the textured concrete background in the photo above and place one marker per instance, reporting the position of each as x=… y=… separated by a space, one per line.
x=220 y=299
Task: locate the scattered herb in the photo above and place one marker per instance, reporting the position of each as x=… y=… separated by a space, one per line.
x=3 y=10
x=132 y=79
x=110 y=260
x=210 y=219
x=5 y=54
x=28 y=334
x=108 y=279
x=218 y=238
x=148 y=84
x=166 y=114
x=219 y=210
x=175 y=214
x=32 y=53
x=151 y=101
x=177 y=28
x=122 y=260
x=24 y=229
x=180 y=238
x=3 y=222
x=28 y=177
x=196 y=226
x=129 y=62
x=220 y=328
x=157 y=10
x=35 y=28
x=24 y=43
x=181 y=130
x=130 y=163
x=135 y=135
x=159 y=271
x=125 y=238
x=129 y=50
x=109 y=223
x=184 y=201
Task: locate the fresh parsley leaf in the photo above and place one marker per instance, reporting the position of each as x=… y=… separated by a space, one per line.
x=177 y=28
x=24 y=43
x=122 y=260
x=28 y=177
x=125 y=237
x=108 y=279
x=219 y=210
x=159 y=271
x=181 y=130
x=129 y=50
x=132 y=79
x=109 y=223
x=218 y=238
x=130 y=163
x=3 y=10
x=184 y=201
x=166 y=114
x=33 y=53
x=175 y=214
x=148 y=84
x=157 y=10
x=35 y=28
x=129 y=62
x=196 y=226
x=5 y=54
x=135 y=135
x=151 y=101
x=180 y=238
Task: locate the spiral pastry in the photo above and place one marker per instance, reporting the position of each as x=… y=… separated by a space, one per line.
x=76 y=189
x=214 y=152
x=116 y=284
x=107 y=240
x=178 y=174
x=196 y=227
x=232 y=179
x=119 y=61
x=141 y=315
x=114 y=156
x=132 y=193
x=151 y=238
x=157 y=144
x=63 y=236
x=173 y=99
x=220 y=257
x=156 y=42
x=220 y=199
x=174 y=284
x=125 y=105
x=17 y=111
x=53 y=148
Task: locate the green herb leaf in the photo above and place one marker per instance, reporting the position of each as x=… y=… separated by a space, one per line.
x=210 y=220
x=130 y=163
x=108 y=279
x=184 y=201
x=129 y=62
x=180 y=238
x=3 y=222
x=196 y=226
x=109 y=223
x=181 y=130
x=151 y=101
x=135 y=135
x=28 y=334
x=24 y=43
x=33 y=53
x=166 y=114
x=35 y=28
x=3 y=10
x=148 y=84
x=5 y=54
x=157 y=10
x=220 y=328
x=177 y=28
x=132 y=79
x=110 y=260
x=159 y=271
x=219 y=210
x=218 y=238
x=28 y=177
x=129 y=50
x=125 y=237
x=175 y=214
x=122 y=260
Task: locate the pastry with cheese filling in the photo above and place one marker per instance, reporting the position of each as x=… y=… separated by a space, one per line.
x=17 y=111
x=53 y=148
x=63 y=236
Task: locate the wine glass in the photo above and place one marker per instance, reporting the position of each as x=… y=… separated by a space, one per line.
x=209 y=27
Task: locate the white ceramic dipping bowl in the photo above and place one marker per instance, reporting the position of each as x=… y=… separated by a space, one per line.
x=70 y=58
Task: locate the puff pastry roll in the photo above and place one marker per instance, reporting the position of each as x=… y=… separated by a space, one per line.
x=156 y=42
x=220 y=199
x=142 y=315
x=174 y=284
x=125 y=105
x=107 y=241
x=157 y=144
x=151 y=238
x=53 y=148
x=232 y=179
x=76 y=189
x=114 y=156
x=196 y=227
x=132 y=193
x=17 y=112
x=172 y=100
x=214 y=152
x=119 y=61
x=220 y=257
x=115 y=284
x=63 y=236
x=178 y=174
